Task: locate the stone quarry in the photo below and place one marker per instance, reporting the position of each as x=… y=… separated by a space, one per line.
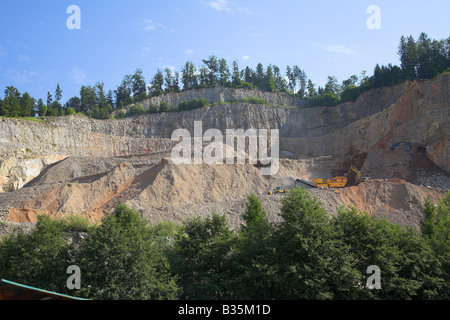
x=79 y=166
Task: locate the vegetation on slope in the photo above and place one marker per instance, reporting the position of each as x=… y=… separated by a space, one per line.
x=421 y=59
x=309 y=255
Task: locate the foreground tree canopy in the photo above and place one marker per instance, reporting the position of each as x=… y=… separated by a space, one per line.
x=309 y=255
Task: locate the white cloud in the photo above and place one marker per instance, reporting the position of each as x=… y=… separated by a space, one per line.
x=21 y=77
x=190 y=51
x=257 y=35
x=78 y=76
x=226 y=6
x=150 y=25
x=339 y=49
x=219 y=5
x=23 y=57
x=245 y=57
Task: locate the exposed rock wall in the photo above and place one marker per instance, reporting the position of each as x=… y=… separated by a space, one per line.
x=420 y=115
x=418 y=112
x=223 y=94
x=28 y=147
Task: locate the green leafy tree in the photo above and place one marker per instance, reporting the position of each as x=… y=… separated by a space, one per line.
x=224 y=73
x=249 y=75
x=203 y=77
x=120 y=261
x=2 y=111
x=171 y=80
x=27 y=105
x=303 y=83
x=407 y=265
x=11 y=103
x=110 y=99
x=201 y=258
x=74 y=103
x=212 y=71
x=88 y=99
x=436 y=229
x=70 y=111
x=157 y=83
x=252 y=261
x=58 y=93
x=124 y=92
x=259 y=77
x=49 y=99
x=311 y=89
x=138 y=85
x=332 y=86
x=311 y=260
x=386 y=76
x=408 y=51
x=236 y=75
x=188 y=76
x=102 y=109
x=269 y=84
x=292 y=80
x=350 y=82
x=38 y=259
x=164 y=106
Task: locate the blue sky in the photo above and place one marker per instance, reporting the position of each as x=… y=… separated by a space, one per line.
x=37 y=50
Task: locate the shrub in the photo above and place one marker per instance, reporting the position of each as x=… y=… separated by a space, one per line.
x=152 y=108
x=136 y=110
x=70 y=111
x=193 y=104
x=120 y=115
x=325 y=100
x=164 y=106
x=253 y=100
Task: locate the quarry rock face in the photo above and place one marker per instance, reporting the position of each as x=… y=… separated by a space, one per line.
x=76 y=165
x=223 y=94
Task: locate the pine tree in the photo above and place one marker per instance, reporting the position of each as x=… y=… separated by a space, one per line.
x=138 y=85
x=188 y=76
x=249 y=75
x=58 y=93
x=27 y=104
x=311 y=89
x=124 y=92
x=224 y=72
x=11 y=103
x=41 y=108
x=269 y=84
x=280 y=83
x=2 y=112
x=49 y=99
x=157 y=83
x=259 y=77
x=236 y=76
x=212 y=66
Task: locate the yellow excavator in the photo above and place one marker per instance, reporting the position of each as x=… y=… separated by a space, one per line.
x=359 y=176
x=336 y=182
x=278 y=190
